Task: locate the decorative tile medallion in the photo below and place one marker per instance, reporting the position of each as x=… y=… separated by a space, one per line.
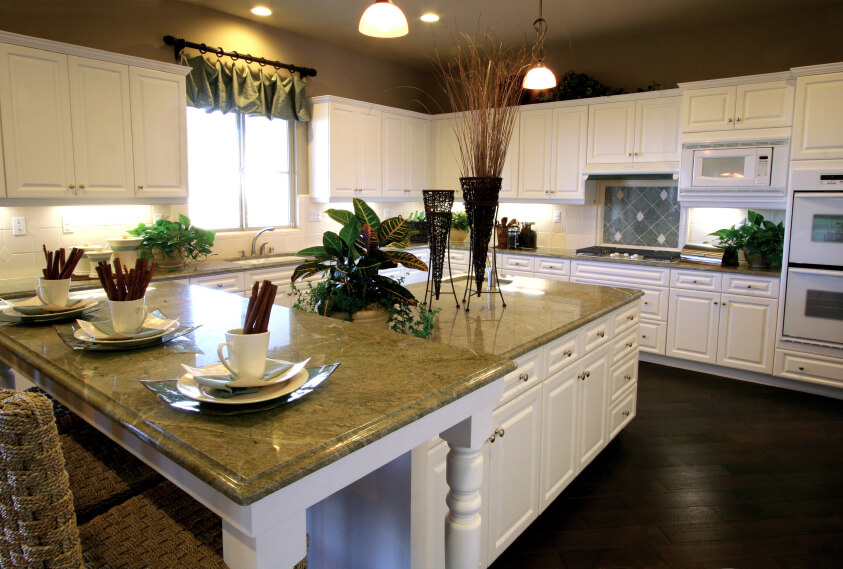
x=643 y=216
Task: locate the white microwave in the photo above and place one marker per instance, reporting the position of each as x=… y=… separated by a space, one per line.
x=734 y=168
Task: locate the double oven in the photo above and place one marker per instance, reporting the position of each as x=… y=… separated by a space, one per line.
x=813 y=305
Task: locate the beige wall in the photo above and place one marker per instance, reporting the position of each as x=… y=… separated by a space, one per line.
x=135 y=27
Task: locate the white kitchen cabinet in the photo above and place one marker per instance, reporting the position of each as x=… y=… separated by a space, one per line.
x=818 y=127
x=591 y=394
x=535 y=153
x=570 y=134
x=405 y=155
x=444 y=156
x=634 y=131
x=227 y=282
x=738 y=107
x=345 y=151
x=692 y=325
x=514 y=466
x=746 y=334
x=512 y=165
x=559 y=422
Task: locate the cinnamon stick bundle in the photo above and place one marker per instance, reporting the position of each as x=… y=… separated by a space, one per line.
x=123 y=284
x=260 y=305
x=59 y=266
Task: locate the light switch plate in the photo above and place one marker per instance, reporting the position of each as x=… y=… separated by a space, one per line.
x=18 y=226
x=557 y=216
x=67 y=226
x=315 y=215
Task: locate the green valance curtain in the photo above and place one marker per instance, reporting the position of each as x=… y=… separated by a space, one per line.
x=213 y=87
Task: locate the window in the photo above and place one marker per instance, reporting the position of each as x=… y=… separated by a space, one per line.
x=239 y=171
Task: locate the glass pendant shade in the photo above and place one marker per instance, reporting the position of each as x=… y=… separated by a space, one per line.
x=383 y=19
x=539 y=77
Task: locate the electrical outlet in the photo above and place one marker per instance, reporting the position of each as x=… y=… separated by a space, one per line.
x=18 y=226
x=157 y=216
x=67 y=226
x=315 y=215
x=557 y=216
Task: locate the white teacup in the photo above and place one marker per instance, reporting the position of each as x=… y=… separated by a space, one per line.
x=53 y=291
x=127 y=316
x=246 y=352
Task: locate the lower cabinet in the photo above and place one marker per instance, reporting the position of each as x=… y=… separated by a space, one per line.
x=559 y=420
x=591 y=406
x=692 y=325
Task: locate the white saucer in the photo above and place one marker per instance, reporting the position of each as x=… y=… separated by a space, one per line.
x=189 y=388
x=90 y=333
x=83 y=336
x=50 y=316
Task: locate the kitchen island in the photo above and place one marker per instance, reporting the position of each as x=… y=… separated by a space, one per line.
x=260 y=472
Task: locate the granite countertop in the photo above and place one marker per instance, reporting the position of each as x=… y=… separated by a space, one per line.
x=385 y=380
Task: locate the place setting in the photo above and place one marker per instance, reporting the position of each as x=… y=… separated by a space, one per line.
x=52 y=301
x=132 y=324
x=244 y=379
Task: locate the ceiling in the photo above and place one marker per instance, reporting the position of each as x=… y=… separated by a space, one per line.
x=569 y=21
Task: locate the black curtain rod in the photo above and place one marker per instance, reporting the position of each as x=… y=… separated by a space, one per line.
x=179 y=44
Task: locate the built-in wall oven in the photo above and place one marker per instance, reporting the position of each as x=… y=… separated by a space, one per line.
x=813 y=310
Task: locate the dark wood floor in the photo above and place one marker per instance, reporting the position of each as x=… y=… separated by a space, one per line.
x=713 y=473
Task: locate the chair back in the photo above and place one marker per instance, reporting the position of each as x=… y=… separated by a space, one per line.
x=36 y=505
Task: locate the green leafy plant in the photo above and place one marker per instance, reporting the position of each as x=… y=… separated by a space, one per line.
x=350 y=261
x=459 y=220
x=173 y=240
x=757 y=237
x=416 y=216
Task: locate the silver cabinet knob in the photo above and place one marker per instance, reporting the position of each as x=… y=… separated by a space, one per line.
x=738 y=119
x=601 y=334
x=627 y=377
x=630 y=317
x=140 y=186
x=630 y=154
x=729 y=120
x=644 y=336
x=629 y=344
x=81 y=186
x=523 y=377
x=568 y=353
x=71 y=186
x=625 y=413
x=496 y=434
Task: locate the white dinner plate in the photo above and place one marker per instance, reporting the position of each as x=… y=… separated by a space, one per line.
x=188 y=387
x=48 y=317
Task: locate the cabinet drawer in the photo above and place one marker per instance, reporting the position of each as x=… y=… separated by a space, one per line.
x=652 y=336
x=553 y=267
x=624 y=374
x=528 y=374
x=229 y=282
x=623 y=345
x=626 y=317
x=622 y=412
x=620 y=274
x=562 y=352
x=655 y=303
x=809 y=367
x=516 y=263
x=750 y=285
x=458 y=259
x=695 y=280
x=595 y=334
x=276 y=275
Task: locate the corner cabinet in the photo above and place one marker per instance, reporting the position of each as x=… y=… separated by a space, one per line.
x=90 y=129
x=818 y=127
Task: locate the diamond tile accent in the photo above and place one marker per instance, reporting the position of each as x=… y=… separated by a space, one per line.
x=661 y=238
x=663 y=195
x=640 y=215
x=5 y=255
x=618 y=235
x=620 y=194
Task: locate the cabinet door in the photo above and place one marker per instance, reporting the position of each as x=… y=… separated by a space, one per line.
x=343 y=151
x=559 y=430
x=368 y=149
x=592 y=406
x=35 y=111
x=514 y=470
x=511 y=166
x=445 y=153
x=657 y=130
x=818 y=132
x=159 y=133
x=763 y=105
x=708 y=109
x=570 y=133
x=692 y=323
x=747 y=331
x=611 y=133
x=102 y=128
x=394 y=155
x=535 y=153
x=417 y=155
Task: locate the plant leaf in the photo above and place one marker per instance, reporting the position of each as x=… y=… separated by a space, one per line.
x=369 y=237
x=333 y=244
x=317 y=251
x=393 y=230
x=407 y=259
x=351 y=231
x=307 y=269
x=342 y=216
x=365 y=214
x=367 y=266
x=184 y=220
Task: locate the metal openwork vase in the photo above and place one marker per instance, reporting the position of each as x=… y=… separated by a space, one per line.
x=437 y=213
x=480 y=196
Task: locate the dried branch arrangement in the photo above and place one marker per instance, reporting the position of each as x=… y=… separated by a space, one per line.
x=260 y=305
x=60 y=266
x=483 y=84
x=125 y=284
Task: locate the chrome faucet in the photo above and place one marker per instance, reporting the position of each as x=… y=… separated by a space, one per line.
x=255 y=239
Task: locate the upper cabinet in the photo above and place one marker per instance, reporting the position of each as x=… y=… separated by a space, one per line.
x=90 y=129
x=630 y=132
x=406 y=143
x=818 y=126
x=551 y=153
x=737 y=107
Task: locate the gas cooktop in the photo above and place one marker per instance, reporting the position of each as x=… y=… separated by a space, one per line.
x=629 y=253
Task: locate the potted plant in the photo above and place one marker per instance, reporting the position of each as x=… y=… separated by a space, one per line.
x=761 y=240
x=417 y=226
x=350 y=260
x=173 y=244
x=459 y=226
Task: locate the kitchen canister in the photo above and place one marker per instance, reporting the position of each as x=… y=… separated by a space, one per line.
x=125 y=249
x=83 y=267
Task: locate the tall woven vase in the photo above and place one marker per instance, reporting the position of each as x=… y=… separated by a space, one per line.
x=437 y=211
x=480 y=197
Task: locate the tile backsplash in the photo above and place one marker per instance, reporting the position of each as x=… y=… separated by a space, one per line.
x=646 y=216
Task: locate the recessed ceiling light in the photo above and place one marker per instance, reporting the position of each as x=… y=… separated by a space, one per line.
x=429 y=17
x=261 y=11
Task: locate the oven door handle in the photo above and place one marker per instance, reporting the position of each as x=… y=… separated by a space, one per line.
x=818 y=272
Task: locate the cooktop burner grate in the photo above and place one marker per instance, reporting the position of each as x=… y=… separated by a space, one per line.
x=645 y=254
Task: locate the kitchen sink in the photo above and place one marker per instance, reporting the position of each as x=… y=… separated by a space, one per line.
x=251 y=261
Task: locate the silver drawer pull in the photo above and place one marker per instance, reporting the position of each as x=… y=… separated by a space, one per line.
x=523 y=377
x=630 y=317
x=627 y=377
x=601 y=334
x=625 y=413
x=644 y=336
x=219 y=285
x=629 y=344
x=568 y=353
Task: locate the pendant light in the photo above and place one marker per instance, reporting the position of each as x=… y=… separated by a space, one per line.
x=539 y=77
x=383 y=19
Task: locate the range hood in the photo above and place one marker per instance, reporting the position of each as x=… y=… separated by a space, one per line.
x=666 y=170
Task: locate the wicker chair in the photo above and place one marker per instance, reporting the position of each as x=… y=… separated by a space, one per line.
x=160 y=527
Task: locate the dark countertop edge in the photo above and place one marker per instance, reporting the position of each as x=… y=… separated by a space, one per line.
x=245 y=492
